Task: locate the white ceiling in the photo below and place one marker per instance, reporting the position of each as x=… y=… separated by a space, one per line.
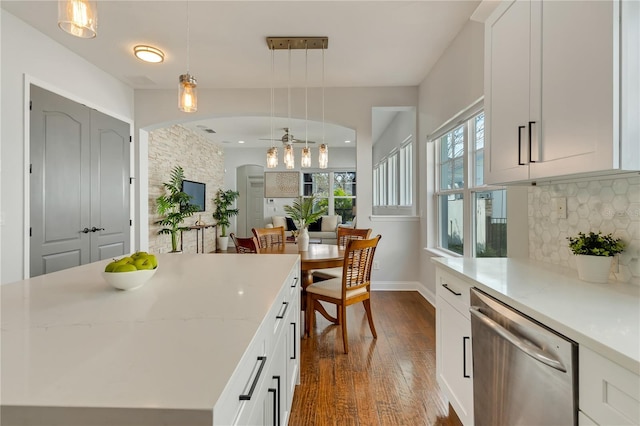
x=371 y=43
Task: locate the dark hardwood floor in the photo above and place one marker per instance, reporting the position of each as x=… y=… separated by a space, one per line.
x=390 y=380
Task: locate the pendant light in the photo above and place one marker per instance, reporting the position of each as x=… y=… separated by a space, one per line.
x=305 y=161
x=78 y=17
x=187 y=93
x=289 y=158
x=323 y=154
x=272 y=153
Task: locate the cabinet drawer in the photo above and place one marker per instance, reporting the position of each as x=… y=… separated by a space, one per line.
x=250 y=373
x=609 y=393
x=454 y=291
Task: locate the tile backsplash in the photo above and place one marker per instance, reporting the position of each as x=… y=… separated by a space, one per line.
x=607 y=205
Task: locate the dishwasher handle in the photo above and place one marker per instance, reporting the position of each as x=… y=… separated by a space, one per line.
x=531 y=350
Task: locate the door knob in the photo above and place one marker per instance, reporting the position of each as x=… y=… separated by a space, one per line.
x=86 y=230
x=94 y=229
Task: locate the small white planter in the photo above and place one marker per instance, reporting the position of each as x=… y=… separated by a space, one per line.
x=223 y=243
x=594 y=269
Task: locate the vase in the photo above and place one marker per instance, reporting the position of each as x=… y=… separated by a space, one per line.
x=223 y=243
x=594 y=269
x=303 y=240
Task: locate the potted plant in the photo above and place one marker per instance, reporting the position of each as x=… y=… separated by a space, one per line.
x=174 y=206
x=223 y=213
x=304 y=211
x=594 y=255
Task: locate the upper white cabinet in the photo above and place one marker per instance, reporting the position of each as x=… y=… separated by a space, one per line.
x=561 y=89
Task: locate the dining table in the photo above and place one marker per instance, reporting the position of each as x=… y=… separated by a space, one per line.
x=317 y=256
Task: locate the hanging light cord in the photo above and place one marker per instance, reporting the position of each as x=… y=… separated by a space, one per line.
x=323 y=92
x=188 y=32
x=272 y=90
x=306 y=103
x=289 y=98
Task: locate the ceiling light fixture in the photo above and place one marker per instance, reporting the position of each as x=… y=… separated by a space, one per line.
x=305 y=161
x=323 y=151
x=187 y=93
x=272 y=153
x=289 y=158
x=78 y=17
x=148 y=54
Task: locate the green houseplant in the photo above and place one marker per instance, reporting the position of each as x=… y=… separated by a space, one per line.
x=174 y=206
x=305 y=211
x=223 y=214
x=594 y=254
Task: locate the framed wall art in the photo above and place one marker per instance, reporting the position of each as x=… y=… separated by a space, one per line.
x=281 y=184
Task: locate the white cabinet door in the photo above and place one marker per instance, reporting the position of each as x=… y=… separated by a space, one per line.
x=579 y=115
x=455 y=360
x=507 y=76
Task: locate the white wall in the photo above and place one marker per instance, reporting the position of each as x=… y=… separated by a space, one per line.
x=349 y=107
x=454 y=83
x=30 y=56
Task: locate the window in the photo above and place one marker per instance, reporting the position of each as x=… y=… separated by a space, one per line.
x=393 y=177
x=471 y=216
x=334 y=190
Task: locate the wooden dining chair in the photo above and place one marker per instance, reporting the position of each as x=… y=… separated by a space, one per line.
x=344 y=236
x=245 y=245
x=269 y=237
x=354 y=286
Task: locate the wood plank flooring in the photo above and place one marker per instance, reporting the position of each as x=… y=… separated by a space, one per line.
x=390 y=380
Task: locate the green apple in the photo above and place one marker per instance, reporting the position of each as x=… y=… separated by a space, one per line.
x=111 y=266
x=153 y=260
x=139 y=254
x=127 y=267
x=143 y=263
x=124 y=260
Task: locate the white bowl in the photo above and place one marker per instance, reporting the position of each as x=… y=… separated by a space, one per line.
x=128 y=280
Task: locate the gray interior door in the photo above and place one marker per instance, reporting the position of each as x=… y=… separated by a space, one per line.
x=109 y=187
x=255 y=203
x=79 y=184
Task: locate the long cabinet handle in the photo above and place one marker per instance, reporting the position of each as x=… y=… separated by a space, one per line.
x=531 y=160
x=275 y=397
x=276 y=401
x=457 y=293
x=295 y=282
x=247 y=397
x=295 y=339
x=533 y=351
x=520 y=163
x=283 y=310
x=464 y=357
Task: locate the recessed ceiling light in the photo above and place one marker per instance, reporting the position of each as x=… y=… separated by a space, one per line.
x=347 y=141
x=240 y=141
x=148 y=54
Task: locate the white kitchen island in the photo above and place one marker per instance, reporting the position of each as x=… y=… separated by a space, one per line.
x=179 y=350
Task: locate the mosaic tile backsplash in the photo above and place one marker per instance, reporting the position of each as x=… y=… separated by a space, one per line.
x=606 y=205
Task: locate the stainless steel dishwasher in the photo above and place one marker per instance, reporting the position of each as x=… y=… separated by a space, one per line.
x=524 y=372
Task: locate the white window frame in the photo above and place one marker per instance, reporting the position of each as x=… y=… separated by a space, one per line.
x=469 y=190
x=406 y=173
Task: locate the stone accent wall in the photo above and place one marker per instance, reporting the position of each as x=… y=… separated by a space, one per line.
x=607 y=205
x=202 y=161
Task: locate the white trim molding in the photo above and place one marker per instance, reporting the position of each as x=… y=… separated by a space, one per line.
x=428 y=295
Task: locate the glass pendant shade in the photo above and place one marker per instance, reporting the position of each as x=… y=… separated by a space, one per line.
x=187 y=95
x=323 y=156
x=289 y=159
x=78 y=17
x=306 y=157
x=272 y=158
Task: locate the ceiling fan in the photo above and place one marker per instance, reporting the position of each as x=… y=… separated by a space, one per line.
x=288 y=138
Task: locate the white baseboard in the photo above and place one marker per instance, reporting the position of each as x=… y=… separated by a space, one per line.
x=428 y=295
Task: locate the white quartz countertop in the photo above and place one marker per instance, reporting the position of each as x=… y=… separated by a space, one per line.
x=71 y=340
x=603 y=317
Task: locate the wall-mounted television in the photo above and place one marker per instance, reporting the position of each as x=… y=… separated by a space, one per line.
x=198 y=193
